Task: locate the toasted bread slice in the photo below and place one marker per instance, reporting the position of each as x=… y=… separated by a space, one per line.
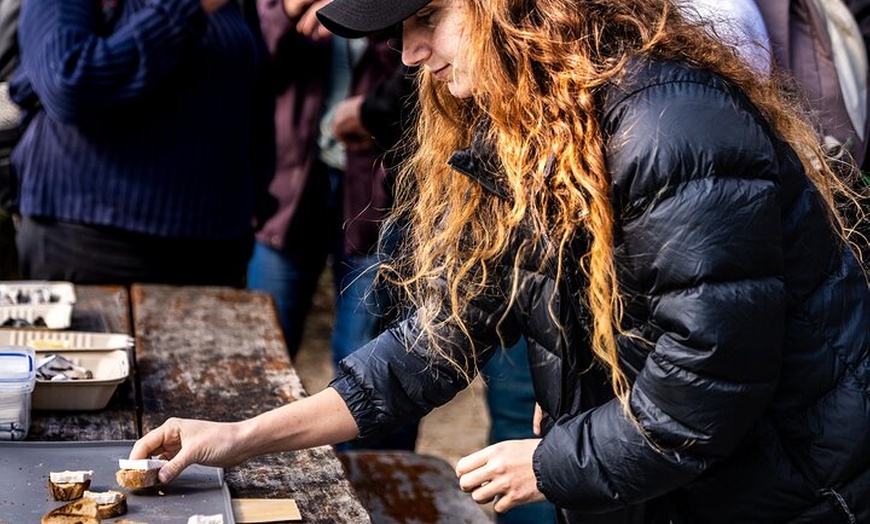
x=137 y=478
x=110 y=503
x=81 y=511
x=69 y=485
x=68 y=490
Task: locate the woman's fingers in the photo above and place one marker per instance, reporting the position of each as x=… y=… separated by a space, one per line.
x=501 y=473
x=473 y=461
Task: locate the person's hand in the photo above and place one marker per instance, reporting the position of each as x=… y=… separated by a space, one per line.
x=308 y=24
x=295 y=8
x=501 y=472
x=347 y=124
x=536 y=419
x=184 y=442
x=210 y=6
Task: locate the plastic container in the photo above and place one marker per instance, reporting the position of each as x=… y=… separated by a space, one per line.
x=47 y=340
x=110 y=368
x=17 y=378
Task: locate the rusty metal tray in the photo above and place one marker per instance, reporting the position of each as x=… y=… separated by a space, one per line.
x=25 y=466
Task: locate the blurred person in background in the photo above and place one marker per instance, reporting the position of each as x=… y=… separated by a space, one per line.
x=10 y=120
x=337 y=111
x=149 y=144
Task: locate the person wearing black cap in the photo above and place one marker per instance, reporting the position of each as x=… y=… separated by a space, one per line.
x=656 y=220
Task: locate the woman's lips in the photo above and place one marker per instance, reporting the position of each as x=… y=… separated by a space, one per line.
x=441 y=74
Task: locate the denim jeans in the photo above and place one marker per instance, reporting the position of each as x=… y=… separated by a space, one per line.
x=292 y=283
x=511 y=402
x=292 y=276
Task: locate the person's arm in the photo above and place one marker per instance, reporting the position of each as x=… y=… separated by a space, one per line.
x=387 y=111
x=262 y=124
x=78 y=73
x=317 y=420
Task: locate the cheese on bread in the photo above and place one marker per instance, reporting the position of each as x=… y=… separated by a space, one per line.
x=206 y=519
x=141 y=464
x=69 y=477
x=109 y=503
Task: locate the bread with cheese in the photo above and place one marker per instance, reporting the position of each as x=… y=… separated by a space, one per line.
x=110 y=503
x=137 y=478
x=138 y=474
x=68 y=485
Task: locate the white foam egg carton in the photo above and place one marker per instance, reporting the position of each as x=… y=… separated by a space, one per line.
x=36 y=303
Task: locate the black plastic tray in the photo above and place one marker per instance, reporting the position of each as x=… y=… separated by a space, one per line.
x=24 y=495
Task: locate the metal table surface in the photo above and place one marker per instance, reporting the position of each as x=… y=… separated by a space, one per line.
x=205 y=352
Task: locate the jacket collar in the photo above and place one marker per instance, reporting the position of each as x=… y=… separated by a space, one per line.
x=479 y=163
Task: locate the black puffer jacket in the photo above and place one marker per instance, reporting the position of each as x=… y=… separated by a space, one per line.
x=750 y=368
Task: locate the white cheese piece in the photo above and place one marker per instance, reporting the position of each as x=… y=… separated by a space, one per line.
x=70 y=477
x=141 y=464
x=108 y=497
x=206 y=519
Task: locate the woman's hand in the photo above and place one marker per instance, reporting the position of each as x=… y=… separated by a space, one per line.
x=501 y=472
x=322 y=418
x=184 y=442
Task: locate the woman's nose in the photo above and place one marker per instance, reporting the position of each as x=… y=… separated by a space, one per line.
x=415 y=49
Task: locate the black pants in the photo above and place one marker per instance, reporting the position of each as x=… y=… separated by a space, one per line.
x=53 y=250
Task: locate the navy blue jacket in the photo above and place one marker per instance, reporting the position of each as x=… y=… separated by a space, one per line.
x=159 y=125
x=751 y=321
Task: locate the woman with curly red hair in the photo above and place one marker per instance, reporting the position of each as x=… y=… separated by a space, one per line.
x=657 y=220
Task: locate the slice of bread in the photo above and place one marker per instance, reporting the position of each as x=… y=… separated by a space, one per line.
x=68 y=491
x=81 y=511
x=108 y=510
x=137 y=478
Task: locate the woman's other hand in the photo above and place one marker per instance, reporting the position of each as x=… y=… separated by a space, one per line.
x=502 y=473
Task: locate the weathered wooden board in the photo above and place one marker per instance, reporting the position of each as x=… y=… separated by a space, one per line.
x=218 y=354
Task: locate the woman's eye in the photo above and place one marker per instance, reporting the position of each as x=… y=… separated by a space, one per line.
x=424 y=17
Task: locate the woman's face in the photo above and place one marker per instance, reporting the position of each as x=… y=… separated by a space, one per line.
x=433 y=38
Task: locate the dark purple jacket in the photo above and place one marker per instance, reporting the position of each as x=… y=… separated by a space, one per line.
x=301 y=68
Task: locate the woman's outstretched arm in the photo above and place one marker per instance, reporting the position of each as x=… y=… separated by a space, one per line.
x=318 y=420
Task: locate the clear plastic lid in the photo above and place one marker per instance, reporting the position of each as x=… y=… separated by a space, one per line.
x=17 y=367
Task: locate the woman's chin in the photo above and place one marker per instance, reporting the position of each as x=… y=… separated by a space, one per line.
x=459 y=90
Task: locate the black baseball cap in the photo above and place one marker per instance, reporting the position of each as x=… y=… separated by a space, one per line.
x=356 y=18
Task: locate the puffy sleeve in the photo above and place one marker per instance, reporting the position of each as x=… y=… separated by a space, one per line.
x=700 y=258
x=397 y=377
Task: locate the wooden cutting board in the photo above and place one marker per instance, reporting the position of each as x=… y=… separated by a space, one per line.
x=265 y=510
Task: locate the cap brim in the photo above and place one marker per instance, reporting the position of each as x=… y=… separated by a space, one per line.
x=357 y=18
